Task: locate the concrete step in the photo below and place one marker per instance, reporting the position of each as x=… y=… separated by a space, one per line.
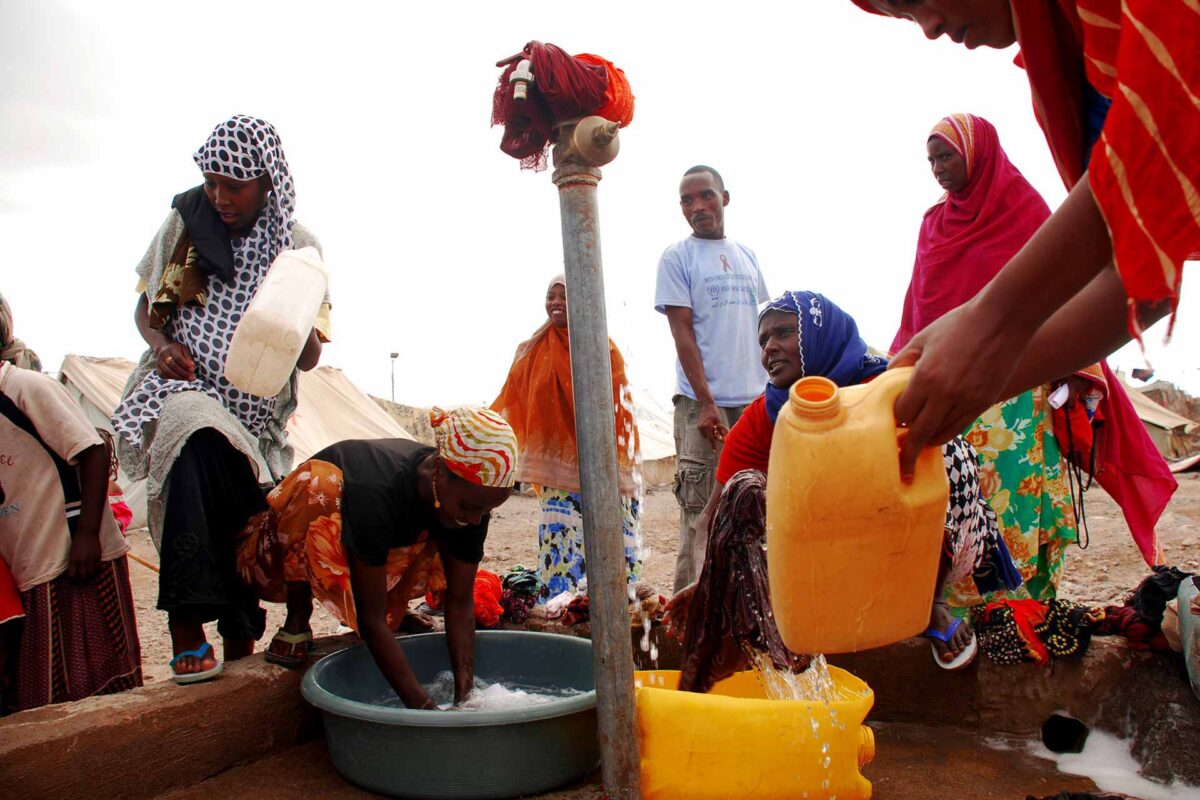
x=913 y=762
x=164 y=738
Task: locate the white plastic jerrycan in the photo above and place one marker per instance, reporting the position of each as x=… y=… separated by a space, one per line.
x=271 y=335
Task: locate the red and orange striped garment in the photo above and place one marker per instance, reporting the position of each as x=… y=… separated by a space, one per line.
x=1144 y=170
x=1145 y=56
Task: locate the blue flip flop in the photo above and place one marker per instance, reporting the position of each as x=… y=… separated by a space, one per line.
x=962 y=659
x=195 y=677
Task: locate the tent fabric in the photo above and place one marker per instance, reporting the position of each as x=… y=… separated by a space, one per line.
x=96 y=384
x=330 y=408
x=656 y=427
x=1158 y=415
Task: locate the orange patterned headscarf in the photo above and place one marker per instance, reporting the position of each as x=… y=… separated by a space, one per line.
x=958 y=131
x=477 y=445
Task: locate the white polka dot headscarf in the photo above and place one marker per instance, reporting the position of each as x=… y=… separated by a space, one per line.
x=243 y=148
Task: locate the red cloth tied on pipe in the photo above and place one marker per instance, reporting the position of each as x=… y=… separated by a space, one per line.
x=564 y=87
x=487 y=599
x=618 y=97
x=527 y=123
x=572 y=87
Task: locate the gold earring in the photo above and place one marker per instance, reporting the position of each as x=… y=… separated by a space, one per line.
x=436 y=503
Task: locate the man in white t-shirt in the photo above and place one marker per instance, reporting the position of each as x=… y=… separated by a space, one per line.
x=710 y=289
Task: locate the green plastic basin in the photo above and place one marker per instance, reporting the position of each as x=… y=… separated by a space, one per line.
x=407 y=753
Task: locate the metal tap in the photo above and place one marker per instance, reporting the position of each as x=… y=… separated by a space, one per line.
x=520 y=79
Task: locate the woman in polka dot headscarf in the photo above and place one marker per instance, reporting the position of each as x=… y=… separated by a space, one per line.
x=206 y=447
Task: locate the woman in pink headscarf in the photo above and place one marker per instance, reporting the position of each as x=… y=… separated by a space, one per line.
x=987 y=214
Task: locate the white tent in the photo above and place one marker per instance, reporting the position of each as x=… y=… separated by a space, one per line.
x=656 y=431
x=96 y=384
x=1166 y=428
x=330 y=408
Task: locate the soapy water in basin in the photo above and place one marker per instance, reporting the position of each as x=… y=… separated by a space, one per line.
x=484 y=696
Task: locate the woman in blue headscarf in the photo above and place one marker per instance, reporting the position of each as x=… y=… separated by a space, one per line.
x=805 y=334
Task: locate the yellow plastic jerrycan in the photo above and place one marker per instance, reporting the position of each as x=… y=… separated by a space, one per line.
x=853 y=550
x=735 y=743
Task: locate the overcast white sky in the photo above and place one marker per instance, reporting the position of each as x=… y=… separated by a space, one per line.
x=439 y=247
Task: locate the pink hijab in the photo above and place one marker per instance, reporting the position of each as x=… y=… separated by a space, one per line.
x=966 y=238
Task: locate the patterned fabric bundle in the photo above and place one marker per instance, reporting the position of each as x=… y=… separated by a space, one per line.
x=520 y=580
x=1139 y=620
x=516 y=606
x=731 y=608
x=1016 y=631
x=477 y=445
x=577 y=611
x=522 y=588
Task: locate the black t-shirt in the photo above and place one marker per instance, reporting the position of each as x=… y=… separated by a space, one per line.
x=381 y=509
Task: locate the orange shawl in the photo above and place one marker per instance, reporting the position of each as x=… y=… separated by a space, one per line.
x=1143 y=171
x=539 y=404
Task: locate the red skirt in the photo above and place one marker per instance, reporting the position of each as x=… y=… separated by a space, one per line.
x=78 y=640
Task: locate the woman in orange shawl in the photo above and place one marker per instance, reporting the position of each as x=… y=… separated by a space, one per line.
x=1116 y=89
x=539 y=404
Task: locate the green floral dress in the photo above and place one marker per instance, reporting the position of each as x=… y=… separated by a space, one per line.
x=1021 y=474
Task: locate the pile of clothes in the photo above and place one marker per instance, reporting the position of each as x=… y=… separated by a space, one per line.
x=520 y=589
x=1017 y=631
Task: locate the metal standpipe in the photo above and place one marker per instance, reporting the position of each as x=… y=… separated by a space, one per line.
x=581 y=148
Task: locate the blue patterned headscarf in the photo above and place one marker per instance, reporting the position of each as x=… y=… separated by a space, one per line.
x=830 y=346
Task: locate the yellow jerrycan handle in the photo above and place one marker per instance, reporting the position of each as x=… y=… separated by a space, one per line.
x=884 y=391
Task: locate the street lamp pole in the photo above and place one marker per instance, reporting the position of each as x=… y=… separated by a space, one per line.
x=394 y=356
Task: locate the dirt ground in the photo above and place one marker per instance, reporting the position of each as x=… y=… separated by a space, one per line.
x=1103 y=573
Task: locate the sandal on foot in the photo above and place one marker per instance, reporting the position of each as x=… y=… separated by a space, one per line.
x=296 y=644
x=200 y=653
x=962 y=659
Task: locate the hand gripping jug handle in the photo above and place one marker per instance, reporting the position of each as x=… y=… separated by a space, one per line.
x=889 y=387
